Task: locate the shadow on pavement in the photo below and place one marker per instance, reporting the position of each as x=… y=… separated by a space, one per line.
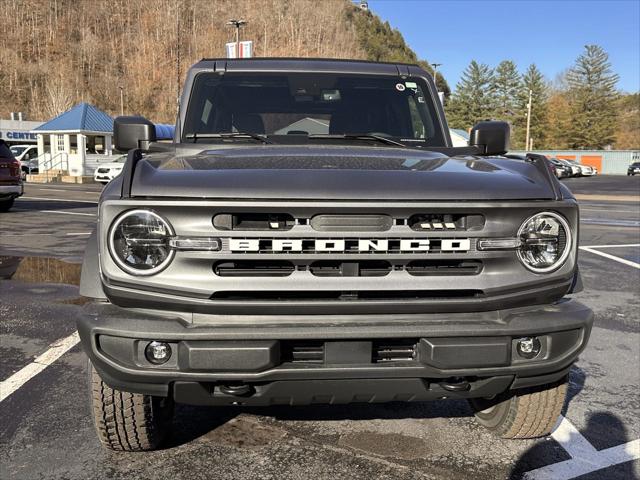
x=191 y=422
x=599 y=425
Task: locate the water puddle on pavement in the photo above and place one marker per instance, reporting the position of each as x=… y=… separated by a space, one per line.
x=39 y=270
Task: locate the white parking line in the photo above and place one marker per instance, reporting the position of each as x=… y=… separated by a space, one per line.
x=22 y=376
x=57 y=200
x=584 y=457
x=611 y=257
x=67 y=213
x=614 y=246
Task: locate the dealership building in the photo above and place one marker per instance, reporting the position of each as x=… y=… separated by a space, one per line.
x=17 y=130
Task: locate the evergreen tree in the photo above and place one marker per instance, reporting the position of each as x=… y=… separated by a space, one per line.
x=474 y=98
x=559 y=120
x=592 y=99
x=507 y=87
x=532 y=81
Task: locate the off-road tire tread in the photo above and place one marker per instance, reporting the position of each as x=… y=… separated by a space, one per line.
x=532 y=412
x=125 y=421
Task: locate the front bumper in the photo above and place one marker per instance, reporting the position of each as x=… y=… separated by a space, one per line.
x=251 y=360
x=11 y=191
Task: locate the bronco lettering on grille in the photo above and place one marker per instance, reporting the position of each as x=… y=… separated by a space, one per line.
x=349 y=245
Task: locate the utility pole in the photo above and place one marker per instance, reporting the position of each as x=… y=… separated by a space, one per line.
x=527 y=142
x=435 y=70
x=237 y=23
x=121 y=100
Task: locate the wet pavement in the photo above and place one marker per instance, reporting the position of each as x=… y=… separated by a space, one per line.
x=47 y=432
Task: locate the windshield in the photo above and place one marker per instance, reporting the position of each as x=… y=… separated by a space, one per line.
x=18 y=150
x=294 y=106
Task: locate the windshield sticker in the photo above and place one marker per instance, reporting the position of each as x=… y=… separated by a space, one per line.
x=413 y=85
x=400 y=87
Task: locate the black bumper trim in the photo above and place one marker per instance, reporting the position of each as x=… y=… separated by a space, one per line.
x=561 y=317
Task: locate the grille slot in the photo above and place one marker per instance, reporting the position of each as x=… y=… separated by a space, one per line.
x=364 y=268
x=302 y=352
x=445 y=222
x=395 y=350
x=351 y=223
x=444 y=267
x=257 y=268
x=253 y=221
x=345 y=296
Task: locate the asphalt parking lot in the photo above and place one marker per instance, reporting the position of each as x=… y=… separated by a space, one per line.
x=47 y=431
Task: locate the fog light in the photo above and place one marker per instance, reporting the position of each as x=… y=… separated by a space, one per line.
x=158 y=352
x=528 y=347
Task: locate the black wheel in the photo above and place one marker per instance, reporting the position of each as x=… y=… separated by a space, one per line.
x=129 y=422
x=5 y=205
x=526 y=413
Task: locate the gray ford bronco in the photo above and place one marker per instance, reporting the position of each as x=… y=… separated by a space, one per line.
x=310 y=236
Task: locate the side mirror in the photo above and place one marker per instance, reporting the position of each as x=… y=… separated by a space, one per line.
x=133 y=132
x=492 y=138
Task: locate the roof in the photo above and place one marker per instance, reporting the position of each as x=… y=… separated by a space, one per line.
x=304 y=65
x=81 y=118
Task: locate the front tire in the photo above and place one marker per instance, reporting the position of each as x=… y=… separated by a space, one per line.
x=526 y=413
x=129 y=422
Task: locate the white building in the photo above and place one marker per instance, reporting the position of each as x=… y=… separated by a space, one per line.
x=75 y=141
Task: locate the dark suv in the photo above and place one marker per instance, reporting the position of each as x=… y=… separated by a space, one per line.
x=312 y=236
x=11 y=186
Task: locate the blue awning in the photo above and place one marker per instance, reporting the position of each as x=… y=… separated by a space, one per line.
x=164 y=131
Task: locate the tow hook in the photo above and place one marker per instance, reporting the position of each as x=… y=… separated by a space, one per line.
x=237 y=390
x=455 y=385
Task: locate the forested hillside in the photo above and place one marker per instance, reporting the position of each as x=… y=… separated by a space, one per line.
x=56 y=53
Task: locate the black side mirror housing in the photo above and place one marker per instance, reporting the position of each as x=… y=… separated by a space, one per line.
x=491 y=137
x=133 y=132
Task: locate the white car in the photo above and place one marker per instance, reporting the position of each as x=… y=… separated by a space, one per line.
x=584 y=170
x=27 y=155
x=108 y=171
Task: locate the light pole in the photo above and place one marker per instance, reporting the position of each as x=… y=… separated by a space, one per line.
x=237 y=23
x=526 y=142
x=435 y=70
x=121 y=100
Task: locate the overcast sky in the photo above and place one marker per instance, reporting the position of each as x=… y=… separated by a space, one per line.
x=549 y=33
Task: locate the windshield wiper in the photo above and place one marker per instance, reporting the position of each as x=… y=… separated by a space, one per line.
x=357 y=136
x=256 y=136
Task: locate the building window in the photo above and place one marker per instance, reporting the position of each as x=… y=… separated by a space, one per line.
x=61 y=143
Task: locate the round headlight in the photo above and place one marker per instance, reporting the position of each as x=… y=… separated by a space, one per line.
x=139 y=242
x=545 y=242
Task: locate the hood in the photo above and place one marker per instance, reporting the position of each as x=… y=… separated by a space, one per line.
x=336 y=173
